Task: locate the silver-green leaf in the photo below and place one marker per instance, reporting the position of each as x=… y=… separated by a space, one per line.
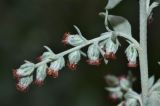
x=154 y=99
x=151 y=81
x=112 y=3
x=120 y=24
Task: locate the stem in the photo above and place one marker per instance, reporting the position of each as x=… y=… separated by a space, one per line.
x=98 y=39
x=143 y=54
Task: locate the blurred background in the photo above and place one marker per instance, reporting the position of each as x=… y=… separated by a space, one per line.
x=27 y=25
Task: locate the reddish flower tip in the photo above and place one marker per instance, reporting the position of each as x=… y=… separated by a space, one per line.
x=94 y=62
x=39 y=83
x=113 y=98
x=65 y=38
x=122 y=77
x=15 y=75
x=110 y=56
x=39 y=58
x=21 y=88
x=52 y=73
x=132 y=65
x=72 y=66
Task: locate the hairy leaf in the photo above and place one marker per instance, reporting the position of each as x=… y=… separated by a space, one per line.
x=155 y=87
x=131 y=94
x=132 y=98
x=153 y=5
x=131 y=102
x=120 y=24
x=115 y=89
x=151 y=81
x=112 y=3
x=154 y=99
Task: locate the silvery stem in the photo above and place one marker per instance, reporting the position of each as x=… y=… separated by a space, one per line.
x=143 y=54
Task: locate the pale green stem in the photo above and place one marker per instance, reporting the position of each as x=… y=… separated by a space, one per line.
x=143 y=54
x=98 y=39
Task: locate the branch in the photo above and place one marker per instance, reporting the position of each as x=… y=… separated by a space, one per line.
x=98 y=39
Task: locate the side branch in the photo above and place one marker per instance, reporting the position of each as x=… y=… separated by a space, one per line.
x=98 y=39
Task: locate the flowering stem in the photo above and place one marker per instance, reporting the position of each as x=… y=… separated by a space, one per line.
x=143 y=54
x=98 y=39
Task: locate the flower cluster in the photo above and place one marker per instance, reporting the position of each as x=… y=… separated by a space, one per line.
x=24 y=75
x=103 y=47
x=118 y=85
x=120 y=88
x=50 y=63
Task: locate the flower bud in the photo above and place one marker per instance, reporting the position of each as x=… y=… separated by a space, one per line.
x=132 y=54
x=46 y=55
x=55 y=67
x=24 y=83
x=93 y=55
x=124 y=83
x=24 y=70
x=41 y=74
x=115 y=93
x=111 y=48
x=74 y=40
x=74 y=58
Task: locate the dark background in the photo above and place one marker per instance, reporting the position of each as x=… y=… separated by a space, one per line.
x=27 y=25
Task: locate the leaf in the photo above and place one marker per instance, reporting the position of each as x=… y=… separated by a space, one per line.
x=49 y=50
x=120 y=24
x=102 y=14
x=125 y=84
x=155 y=87
x=131 y=94
x=152 y=6
x=131 y=102
x=115 y=89
x=154 y=99
x=121 y=104
x=46 y=55
x=79 y=33
x=151 y=81
x=112 y=3
x=132 y=97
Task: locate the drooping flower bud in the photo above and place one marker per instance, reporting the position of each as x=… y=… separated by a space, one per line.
x=115 y=93
x=74 y=40
x=24 y=70
x=111 y=48
x=93 y=55
x=46 y=55
x=74 y=58
x=55 y=67
x=131 y=53
x=125 y=84
x=24 y=83
x=41 y=74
